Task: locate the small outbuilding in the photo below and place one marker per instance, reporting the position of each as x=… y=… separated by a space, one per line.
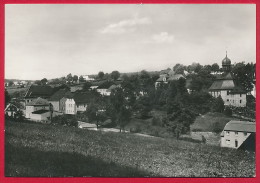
x=239 y=135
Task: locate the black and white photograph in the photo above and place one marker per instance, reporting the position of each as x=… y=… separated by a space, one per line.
x=130 y=90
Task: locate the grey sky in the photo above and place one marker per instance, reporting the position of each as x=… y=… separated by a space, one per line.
x=54 y=40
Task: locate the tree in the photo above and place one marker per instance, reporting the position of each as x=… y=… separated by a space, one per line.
x=115 y=75
x=101 y=75
x=38 y=82
x=69 y=78
x=44 y=81
x=121 y=108
x=81 y=79
x=244 y=75
x=179 y=68
x=7 y=98
x=215 y=67
x=75 y=78
x=217 y=104
x=87 y=85
x=10 y=83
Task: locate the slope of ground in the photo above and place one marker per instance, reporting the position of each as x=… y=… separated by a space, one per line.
x=205 y=123
x=45 y=150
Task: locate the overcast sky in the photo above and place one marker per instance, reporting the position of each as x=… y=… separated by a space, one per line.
x=55 y=40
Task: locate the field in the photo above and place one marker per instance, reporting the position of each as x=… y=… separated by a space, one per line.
x=33 y=150
x=15 y=89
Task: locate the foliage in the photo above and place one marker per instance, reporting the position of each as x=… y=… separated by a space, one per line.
x=244 y=74
x=81 y=79
x=101 y=75
x=217 y=104
x=115 y=75
x=75 y=78
x=216 y=127
x=228 y=111
x=7 y=98
x=44 y=81
x=65 y=120
x=120 y=106
x=215 y=67
x=69 y=78
x=87 y=85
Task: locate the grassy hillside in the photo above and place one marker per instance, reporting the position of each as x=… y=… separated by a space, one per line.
x=45 y=150
x=205 y=122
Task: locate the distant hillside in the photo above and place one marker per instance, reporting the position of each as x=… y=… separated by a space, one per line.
x=55 y=151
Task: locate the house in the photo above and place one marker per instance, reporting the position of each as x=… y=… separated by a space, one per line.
x=55 y=99
x=82 y=100
x=11 y=110
x=161 y=80
x=88 y=78
x=40 y=115
x=36 y=105
x=225 y=86
x=239 y=135
x=103 y=88
x=35 y=91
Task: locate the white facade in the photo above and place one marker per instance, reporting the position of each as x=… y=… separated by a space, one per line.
x=233 y=139
x=81 y=107
x=70 y=106
x=87 y=78
x=229 y=98
x=104 y=91
x=30 y=109
x=40 y=117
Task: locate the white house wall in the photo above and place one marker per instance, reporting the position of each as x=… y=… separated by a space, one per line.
x=229 y=138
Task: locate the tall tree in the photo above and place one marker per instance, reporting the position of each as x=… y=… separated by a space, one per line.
x=44 y=81
x=215 y=67
x=120 y=105
x=115 y=75
x=101 y=75
x=75 y=78
x=69 y=78
x=81 y=79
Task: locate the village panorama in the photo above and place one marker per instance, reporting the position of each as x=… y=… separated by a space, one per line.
x=185 y=121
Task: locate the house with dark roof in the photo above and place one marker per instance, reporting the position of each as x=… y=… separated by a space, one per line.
x=55 y=99
x=239 y=135
x=36 y=105
x=103 y=89
x=166 y=78
x=35 y=91
x=225 y=86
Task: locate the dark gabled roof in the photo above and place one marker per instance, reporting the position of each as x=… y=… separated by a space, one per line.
x=222 y=85
x=38 y=91
x=58 y=95
x=39 y=101
x=241 y=126
x=42 y=111
x=237 y=90
x=105 y=85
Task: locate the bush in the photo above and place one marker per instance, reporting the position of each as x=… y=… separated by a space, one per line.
x=65 y=120
x=216 y=127
x=157 y=121
x=228 y=111
x=135 y=129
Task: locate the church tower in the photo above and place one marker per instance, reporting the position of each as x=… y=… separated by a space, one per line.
x=226 y=64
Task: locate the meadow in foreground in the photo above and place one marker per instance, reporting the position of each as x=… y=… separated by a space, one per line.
x=38 y=150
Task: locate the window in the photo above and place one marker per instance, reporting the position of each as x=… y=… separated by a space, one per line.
x=227 y=141
x=227 y=92
x=228 y=100
x=236 y=143
x=240 y=95
x=227 y=132
x=240 y=101
x=245 y=133
x=236 y=133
